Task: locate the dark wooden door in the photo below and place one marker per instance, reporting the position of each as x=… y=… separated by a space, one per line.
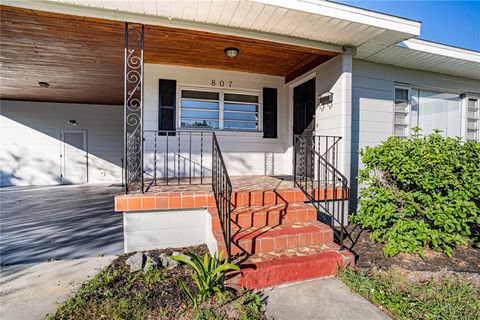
x=304 y=124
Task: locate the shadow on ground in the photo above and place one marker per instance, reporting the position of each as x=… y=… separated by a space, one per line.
x=59 y=222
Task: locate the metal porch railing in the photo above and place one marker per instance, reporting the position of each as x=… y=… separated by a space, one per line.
x=222 y=190
x=316 y=174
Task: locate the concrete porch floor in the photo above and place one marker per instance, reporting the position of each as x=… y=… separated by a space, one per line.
x=58 y=222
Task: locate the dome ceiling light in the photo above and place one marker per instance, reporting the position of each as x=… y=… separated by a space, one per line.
x=231 y=52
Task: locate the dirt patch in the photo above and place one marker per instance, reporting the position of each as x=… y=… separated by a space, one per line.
x=370 y=255
x=117 y=293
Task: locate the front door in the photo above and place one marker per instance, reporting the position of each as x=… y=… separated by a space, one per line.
x=304 y=124
x=74 y=157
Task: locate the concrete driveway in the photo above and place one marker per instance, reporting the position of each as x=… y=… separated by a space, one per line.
x=58 y=222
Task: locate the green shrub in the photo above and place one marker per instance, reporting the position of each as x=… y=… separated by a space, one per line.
x=208 y=275
x=423 y=191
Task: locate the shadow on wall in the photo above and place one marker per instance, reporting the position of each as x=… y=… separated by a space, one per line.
x=58 y=222
x=31 y=148
x=44 y=170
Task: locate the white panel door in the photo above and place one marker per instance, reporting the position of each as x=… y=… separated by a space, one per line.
x=74 y=157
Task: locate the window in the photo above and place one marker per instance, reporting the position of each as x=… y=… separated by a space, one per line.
x=199 y=109
x=473 y=119
x=219 y=110
x=400 y=123
x=428 y=110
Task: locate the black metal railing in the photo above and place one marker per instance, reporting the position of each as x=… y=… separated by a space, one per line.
x=222 y=190
x=316 y=174
x=176 y=157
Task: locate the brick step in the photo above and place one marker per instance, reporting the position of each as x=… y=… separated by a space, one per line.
x=269 y=215
x=276 y=238
x=268 y=269
x=242 y=198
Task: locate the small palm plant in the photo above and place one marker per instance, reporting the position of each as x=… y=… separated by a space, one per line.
x=208 y=275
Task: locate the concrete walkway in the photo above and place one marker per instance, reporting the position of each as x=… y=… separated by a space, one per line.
x=58 y=222
x=319 y=299
x=32 y=291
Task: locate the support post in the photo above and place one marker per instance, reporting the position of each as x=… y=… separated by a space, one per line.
x=133 y=108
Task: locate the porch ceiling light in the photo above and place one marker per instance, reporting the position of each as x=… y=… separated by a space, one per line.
x=44 y=84
x=231 y=52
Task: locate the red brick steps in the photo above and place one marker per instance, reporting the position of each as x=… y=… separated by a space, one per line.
x=278 y=238
x=267 y=215
x=267 y=269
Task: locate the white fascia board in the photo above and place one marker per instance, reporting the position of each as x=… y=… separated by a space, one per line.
x=440 y=49
x=100 y=13
x=348 y=13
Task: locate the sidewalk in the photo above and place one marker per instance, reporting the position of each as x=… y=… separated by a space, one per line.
x=31 y=291
x=319 y=299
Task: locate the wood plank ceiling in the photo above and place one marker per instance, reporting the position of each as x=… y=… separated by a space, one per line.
x=82 y=58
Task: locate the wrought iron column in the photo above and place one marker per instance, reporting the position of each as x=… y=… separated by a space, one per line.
x=133 y=107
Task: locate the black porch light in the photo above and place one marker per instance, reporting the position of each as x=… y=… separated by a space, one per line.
x=43 y=84
x=231 y=52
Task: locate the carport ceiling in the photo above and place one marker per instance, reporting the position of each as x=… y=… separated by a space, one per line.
x=82 y=58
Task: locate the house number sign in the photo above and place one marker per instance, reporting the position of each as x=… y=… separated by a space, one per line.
x=221 y=83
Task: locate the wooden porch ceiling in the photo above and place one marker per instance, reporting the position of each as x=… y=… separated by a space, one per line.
x=82 y=58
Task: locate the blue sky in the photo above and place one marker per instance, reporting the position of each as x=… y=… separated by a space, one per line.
x=455 y=23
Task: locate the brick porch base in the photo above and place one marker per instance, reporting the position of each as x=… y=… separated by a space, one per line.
x=276 y=235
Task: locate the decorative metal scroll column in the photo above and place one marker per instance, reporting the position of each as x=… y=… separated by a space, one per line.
x=133 y=107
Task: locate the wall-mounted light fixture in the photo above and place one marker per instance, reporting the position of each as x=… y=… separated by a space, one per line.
x=231 y=52
x=325 y=99
x=44 y=84
x=72 y=122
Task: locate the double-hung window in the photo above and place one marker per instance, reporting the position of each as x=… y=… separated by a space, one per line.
x=428 y=110
x=203 y=109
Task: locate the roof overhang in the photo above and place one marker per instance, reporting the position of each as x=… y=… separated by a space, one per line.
x=430 y=56
x=312 y=23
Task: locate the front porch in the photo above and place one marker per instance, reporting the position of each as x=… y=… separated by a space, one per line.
x=233 y=141
x=267 y=224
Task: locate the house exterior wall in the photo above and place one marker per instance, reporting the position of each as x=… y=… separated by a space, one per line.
x=245 y=153
x=335 y=76
x=31 y=141
x=373 y=103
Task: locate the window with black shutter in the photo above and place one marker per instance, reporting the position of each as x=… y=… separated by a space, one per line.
x=269 y=113
x=166 y=104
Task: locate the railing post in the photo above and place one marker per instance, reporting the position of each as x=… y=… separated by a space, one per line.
x=155 y=159
x=133 y=107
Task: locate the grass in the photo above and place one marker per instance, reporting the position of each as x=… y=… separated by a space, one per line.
x=115 y=293
x=436 y=299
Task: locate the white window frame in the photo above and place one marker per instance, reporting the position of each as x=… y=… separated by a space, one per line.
x=221 y=101
x=408 y=112
x=465 y=98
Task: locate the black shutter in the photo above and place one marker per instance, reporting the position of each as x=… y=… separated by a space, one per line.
x=166 y=104
x=269 y=112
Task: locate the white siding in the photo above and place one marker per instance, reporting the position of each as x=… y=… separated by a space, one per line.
x=30 y=141
x=373 y=101
x=335 y=76
x=244 y=152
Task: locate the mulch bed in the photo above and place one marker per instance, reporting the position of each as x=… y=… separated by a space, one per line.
x=370 y=255
x=117 y=293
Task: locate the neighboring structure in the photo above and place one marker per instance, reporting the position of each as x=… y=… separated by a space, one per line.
x=291 y=89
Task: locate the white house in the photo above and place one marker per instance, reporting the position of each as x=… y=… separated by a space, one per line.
x=209 y=111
